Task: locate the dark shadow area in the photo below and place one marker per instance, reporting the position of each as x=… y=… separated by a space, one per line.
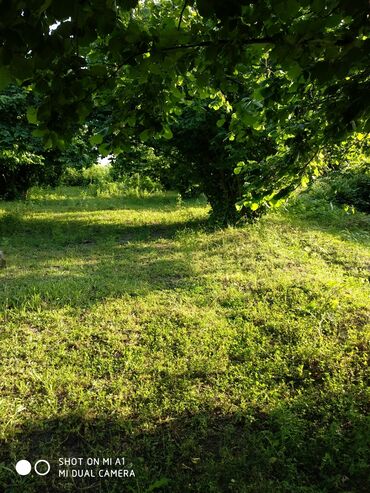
x=80 y=263
x=82 y=290
x=350 y=227
x=62 y=233
x=78 y=203
x=292 y=449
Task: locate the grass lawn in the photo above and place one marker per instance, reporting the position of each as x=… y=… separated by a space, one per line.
x=213 y=361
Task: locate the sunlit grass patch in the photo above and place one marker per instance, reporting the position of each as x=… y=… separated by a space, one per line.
x=221 y=360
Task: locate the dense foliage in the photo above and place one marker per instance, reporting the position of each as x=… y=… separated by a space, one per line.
x=346 y=178
x=348 y=188
x=293 y=74
x=24 y=161
x=352 y=189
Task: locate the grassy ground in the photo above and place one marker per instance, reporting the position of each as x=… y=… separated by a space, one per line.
x=224 y=361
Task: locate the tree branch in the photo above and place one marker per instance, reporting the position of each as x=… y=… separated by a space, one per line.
x=182 y=13
x=201 y=44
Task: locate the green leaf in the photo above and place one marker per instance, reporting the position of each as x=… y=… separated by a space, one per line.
x=167 y=133
x=220 y=122
x=32 y=115
x=239 y=167
x=294 y=70
x=305 y=181
x=249 y=119
x=5 y=78
x=38 y=132
x=104 y=149
x=145 y=135
x=83 y=110
x=287 y=9
x=158 y=484
x=96 y=139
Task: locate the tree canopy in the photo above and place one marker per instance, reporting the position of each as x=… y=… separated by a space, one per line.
x=288 y=76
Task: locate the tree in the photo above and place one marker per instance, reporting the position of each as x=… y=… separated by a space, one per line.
x=202 y=137
x=302 y=66
x=21 y=159
x=24 y=161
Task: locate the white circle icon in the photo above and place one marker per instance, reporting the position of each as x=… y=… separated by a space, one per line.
x=42 y=473
x=23 y=467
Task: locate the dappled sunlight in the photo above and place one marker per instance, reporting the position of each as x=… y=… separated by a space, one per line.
x=184 y=246
x=151 y=322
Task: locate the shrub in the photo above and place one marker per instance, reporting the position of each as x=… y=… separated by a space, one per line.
x=351 y=189
x=141 y=184
x=19 y=170
x=334 y=195
x=94 y=175
x=24 y=161
x=72 y=177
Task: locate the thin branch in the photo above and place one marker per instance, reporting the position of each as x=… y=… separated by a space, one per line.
x=201 y=44
x=182 y=13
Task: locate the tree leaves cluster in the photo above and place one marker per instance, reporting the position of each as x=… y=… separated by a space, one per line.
x=293 y=74
x=24 y=161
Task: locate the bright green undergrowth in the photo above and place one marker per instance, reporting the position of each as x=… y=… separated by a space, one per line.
x=215 y=361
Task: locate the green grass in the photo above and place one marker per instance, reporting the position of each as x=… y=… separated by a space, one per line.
x=214 y=361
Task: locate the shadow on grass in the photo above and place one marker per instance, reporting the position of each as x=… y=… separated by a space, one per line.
x=284 y=451
x=334 y=221
x=79 y=203
x=59 y=233
x=79 y=262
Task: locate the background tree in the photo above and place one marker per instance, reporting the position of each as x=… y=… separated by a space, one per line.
x=24 y=161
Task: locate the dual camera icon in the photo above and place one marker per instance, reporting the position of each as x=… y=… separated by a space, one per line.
x=41 y=467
